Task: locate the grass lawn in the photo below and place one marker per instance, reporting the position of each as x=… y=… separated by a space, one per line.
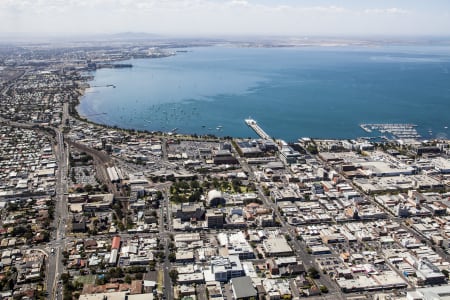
x=86 y=279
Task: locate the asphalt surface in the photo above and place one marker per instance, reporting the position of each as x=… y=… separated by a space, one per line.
x=58 y=239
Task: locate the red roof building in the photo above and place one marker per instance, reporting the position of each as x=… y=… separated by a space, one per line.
x=115 y=243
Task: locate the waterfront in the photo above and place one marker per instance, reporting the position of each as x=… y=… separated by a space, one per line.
x=292 y=92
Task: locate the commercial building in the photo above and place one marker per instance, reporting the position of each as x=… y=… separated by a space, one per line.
x=225 y=268
x=214 y=219
x=277 y=246
x=236 y=244
x=243 y=288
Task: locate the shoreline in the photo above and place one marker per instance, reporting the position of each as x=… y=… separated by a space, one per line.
x=350 y=130
x=73 y=112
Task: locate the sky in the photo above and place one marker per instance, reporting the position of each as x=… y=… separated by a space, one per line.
x=227 y=17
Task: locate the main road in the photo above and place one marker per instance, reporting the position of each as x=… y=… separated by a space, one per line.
x=55 y=266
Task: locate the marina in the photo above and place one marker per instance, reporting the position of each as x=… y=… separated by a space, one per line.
x=398 y=131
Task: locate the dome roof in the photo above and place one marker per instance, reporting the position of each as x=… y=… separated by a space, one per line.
x=213 y=194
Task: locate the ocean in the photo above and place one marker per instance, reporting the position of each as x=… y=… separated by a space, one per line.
x=319 y=92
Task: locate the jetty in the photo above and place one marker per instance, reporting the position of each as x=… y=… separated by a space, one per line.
x=259 y=131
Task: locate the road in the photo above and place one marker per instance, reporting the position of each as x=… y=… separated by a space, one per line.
x=165 y=238
x=55 y=265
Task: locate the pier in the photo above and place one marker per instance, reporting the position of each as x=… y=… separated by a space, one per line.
x=259 y=131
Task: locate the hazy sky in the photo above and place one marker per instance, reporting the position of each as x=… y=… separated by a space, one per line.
x=221 y=17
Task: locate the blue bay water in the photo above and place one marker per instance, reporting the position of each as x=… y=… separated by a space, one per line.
x=292 y=92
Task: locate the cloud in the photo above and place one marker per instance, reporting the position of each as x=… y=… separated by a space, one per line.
x=387 y=11
x=196 y=17
x=239 y=3
x=327 y=9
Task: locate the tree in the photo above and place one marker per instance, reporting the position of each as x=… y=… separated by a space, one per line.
x=88 y=188
x=127 y=279
x=65 y=277
x=312 y=149
x=195 y=196
x=152 y=265
x=313 y=273
x=172 y=257
x=195 y=184
x=216 y=183
x=183 y=185
x=173 y=275
x=236 y=183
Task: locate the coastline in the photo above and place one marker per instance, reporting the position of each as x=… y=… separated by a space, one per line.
x=347 y=128
x=74 y=112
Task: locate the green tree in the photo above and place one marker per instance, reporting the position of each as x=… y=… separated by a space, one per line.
x=127 y=279
x=312 y=149
x=195 y=185
x=65 y=278
x=323 y=289
x=88 y=188
x=216 y=183
x=173 y=275
x=313 y=273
